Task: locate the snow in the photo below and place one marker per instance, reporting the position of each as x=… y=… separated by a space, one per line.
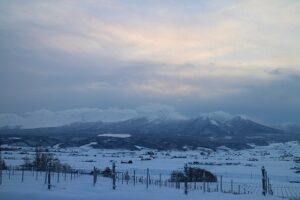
x=243 y=167
x=115 y=135
x=217 y=116
x=14 y=138
x=214 y=122
x=81 y=188
x=221 y=116
x=57 y=145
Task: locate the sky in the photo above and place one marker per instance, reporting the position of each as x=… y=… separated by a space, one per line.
x=240 y=57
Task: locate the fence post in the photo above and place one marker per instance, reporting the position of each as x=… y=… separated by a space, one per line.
x=36 y=174
x=8 y=173
x=263 y=172
x=122 y=177
x=1 y=164
x=221 y=183
x=147 y=180
x=49 y=179
x=267 y=185
x=58 y=176
x=231 y=186
x=45 y=177
x=270 y=189
x=22 y=174
x=267 y=182
x=185 y=179
x=94 y=177
x=65 y=171
x=204 y=178
x=114 y=175
x=159 y=180
x=133 y=177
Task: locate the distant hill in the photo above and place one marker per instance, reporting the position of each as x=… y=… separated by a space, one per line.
x=209 y=131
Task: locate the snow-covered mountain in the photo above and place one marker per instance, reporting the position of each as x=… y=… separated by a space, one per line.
x=152 y=112
x=209 y=130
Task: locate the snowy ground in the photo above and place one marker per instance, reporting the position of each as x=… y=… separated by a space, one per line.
x=242 y=167
x=82 y=188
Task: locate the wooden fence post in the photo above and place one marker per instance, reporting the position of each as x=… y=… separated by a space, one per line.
x=159 y=180
x=147 y=180
x=1 y=164
x=94 y=176
x=45 y=177
x=114 y=175
x=264 y=180
x=65 y=171
x=185 y=179
x=122 y=177
x=221 y=183
x=133 y=177
x=22 y=174
x=8 y=173
x=36 y=174
x=204 y=179
x=49 y=179
x=58 y=172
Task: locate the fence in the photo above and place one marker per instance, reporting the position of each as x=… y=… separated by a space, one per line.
x=131 y=178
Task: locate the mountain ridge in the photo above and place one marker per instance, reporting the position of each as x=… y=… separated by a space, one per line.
x=237 y=132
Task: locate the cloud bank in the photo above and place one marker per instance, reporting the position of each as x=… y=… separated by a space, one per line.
x=47 y=118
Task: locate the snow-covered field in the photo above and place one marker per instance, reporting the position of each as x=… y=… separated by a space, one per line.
x=243 y=168
x=82 y=188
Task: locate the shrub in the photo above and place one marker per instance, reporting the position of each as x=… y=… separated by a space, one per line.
x=193 y=174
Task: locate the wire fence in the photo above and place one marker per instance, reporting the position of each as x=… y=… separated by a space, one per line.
x=52 y=179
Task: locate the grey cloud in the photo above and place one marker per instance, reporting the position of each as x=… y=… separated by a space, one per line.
x=47 y=118
x=35 y=75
